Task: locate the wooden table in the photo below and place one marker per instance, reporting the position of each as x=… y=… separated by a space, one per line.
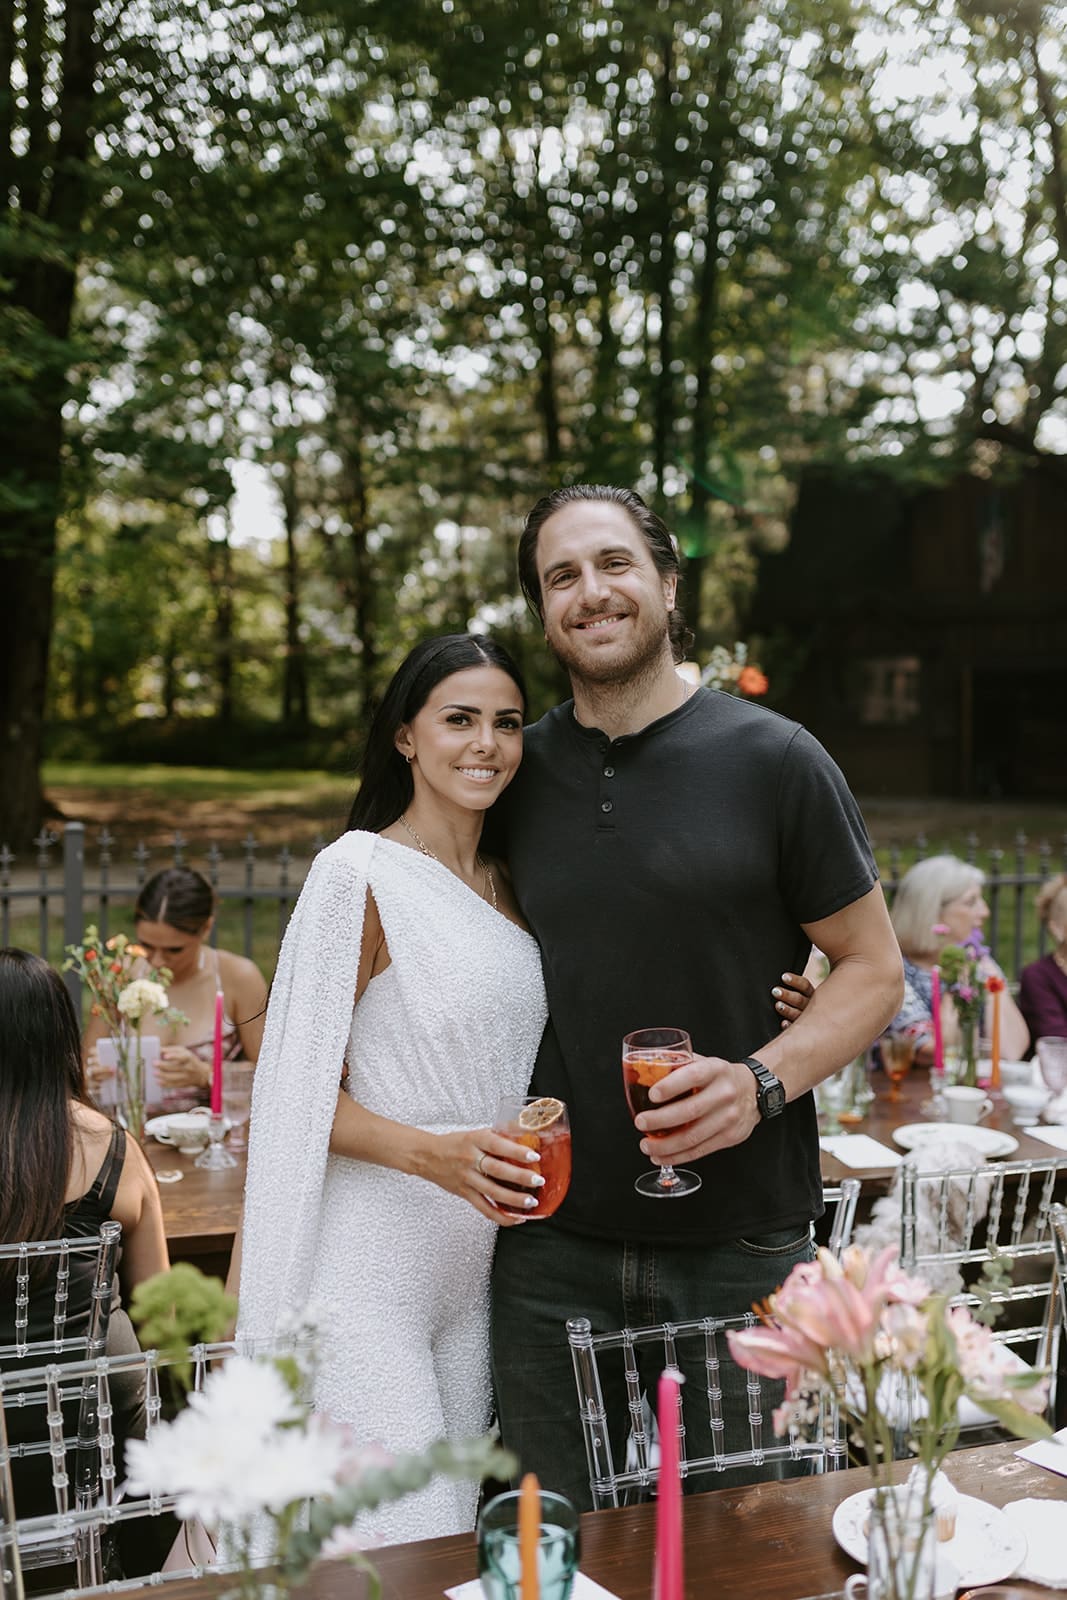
x=884 y=1117
x=766 y=1542
x=201 y=1210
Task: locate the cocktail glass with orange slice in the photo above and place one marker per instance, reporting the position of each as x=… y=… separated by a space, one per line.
x=648 y=1056
x=540 y=1122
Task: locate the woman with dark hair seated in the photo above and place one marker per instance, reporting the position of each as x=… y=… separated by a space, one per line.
x=1043 y=983
x=173 y=918
x=64 y=1170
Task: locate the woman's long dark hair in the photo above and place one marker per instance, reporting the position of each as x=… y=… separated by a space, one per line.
x=385 y=786
x=179 y=896
x=41 y=1072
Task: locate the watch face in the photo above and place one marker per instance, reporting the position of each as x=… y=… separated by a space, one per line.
x=773 y=1098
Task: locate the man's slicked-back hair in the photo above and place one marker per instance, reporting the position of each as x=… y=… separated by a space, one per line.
x=652 y=528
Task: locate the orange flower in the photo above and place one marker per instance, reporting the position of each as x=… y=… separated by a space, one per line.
x=135 y=950
x=995 y=984
x=116 y=966
x=94 y=1010
x=90 y=955
x=751 y=680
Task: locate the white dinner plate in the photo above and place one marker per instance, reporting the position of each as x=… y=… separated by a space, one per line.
x=986 y=1548
x=988 y=1141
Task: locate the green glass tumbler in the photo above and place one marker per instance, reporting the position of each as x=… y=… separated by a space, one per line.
x=498 y=1547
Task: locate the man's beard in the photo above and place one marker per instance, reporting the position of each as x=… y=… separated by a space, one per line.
x=641 y=661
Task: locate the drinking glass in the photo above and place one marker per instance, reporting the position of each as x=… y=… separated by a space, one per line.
x=833 y=1100
x=558 y=1551
x=540 y=1124
x=1052 y=1059
x=648 y=1055
x=898 y=1053
x=237 y=1100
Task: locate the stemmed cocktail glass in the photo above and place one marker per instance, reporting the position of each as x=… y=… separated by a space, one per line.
x=648 y=1056
x=898 y=1053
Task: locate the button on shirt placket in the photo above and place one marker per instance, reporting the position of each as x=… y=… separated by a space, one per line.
x=607 y=794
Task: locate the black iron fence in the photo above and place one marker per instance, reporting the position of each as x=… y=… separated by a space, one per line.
x=46 y=903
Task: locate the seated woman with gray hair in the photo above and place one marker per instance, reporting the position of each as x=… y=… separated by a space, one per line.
x=943 y=893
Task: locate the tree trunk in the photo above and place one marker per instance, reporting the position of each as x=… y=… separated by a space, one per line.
x=663 y=272
x=707 y=314
x=295 y=711
x=222 y=583
x=362 y=581
x=32 y=438
x=169 y=681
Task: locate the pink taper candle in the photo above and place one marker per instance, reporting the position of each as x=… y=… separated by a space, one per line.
x=935 y=1008
x=670 y=1580
x=994 y=1066
x=216 y=1059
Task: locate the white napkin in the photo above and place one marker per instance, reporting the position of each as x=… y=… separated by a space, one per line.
x=1054 y=1133
x=584 y=1589
x=1050 y=1453
x=859 y=1150
x=1043 y=1522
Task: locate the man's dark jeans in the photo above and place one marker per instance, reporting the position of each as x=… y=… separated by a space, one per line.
x=543 y=1275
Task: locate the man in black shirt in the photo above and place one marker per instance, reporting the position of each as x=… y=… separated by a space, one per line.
x=673 y=852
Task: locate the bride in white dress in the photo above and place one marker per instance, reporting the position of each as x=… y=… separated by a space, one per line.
x=408 y=999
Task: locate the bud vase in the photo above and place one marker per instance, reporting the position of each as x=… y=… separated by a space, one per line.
x=901 y=1548
x=130 y=1096
x=968 y=1073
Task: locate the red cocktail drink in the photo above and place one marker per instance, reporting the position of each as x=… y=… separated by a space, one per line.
x=541 y=1125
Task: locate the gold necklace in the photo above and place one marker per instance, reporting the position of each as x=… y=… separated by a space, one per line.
x=479 y=861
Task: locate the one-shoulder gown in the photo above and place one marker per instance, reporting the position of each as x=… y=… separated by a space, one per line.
x=394 y=1270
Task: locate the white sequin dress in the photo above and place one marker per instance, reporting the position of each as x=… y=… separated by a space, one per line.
x=395 y=1269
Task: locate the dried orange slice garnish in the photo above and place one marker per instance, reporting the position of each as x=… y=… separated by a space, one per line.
x=540 y=1114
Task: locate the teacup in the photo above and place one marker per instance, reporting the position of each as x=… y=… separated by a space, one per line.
x=1015 y=1072
x=1027 y=1101
x=966 y=1105
x=188 y=1130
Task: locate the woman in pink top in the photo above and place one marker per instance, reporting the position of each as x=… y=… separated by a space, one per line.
x=173 y=919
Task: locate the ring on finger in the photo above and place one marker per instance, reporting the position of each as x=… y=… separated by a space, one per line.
x=480 y=1166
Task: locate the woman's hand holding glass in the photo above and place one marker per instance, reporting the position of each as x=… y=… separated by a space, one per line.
x=485 y=1168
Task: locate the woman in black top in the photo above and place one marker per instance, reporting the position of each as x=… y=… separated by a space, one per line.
x=64 y=1170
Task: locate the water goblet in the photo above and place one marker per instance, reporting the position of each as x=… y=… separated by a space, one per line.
x=237 y=1100
x=833 y=1099
x=898 y=1053
x=649 y=1055
x=1052 y=1059
x=499 y=1562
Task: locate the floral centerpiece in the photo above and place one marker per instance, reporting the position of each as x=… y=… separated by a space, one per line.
x=733 y=673
x=112 y=971
x=279 y=1485
x=894 y=1359
x=963 y=967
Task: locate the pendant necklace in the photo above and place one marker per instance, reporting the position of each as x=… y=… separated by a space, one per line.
x=479 y=861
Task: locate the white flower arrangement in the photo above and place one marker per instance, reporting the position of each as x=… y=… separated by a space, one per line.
x=248 y=1456
x=142 y=998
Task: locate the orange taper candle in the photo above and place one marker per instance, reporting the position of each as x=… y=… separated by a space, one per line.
x=529 y=1536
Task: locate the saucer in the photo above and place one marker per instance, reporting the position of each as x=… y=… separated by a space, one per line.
x=987 y=1545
